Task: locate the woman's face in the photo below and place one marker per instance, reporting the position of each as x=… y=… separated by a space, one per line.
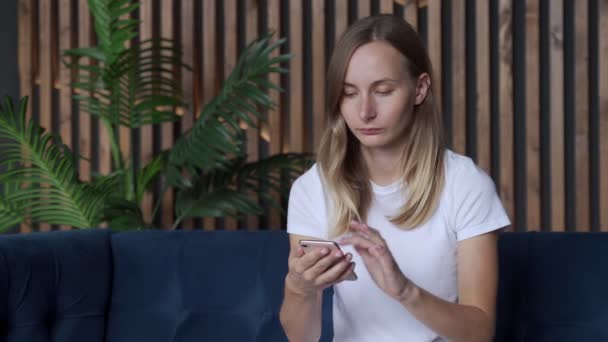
x=379 y=95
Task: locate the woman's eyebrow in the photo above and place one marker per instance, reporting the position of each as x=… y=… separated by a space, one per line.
x=382 y=80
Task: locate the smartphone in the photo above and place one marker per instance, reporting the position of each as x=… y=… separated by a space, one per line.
x=308 y=245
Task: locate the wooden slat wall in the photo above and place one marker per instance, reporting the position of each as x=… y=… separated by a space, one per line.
x=517 y=80
x=556 y=105
x=603 y=114
x=210 y=75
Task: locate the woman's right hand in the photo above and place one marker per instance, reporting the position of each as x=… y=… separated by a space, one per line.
x=316 y=270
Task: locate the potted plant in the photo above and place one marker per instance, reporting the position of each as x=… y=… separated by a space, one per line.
x=133 y=86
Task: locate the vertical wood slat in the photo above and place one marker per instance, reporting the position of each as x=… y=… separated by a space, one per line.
x=296 y=120
x=318 y=70
x=166 y=139
x=45 y=98
x=410 y=13
x=253 y=133
x=434 y=45
x=459 y=86
x=482 y=28
x=125 y=132
x=230 y=57
x=533 y=115
x=25 y=52
x=363 y=8
x=603 y=113
x=340 y=19
x=190 y=88
x=146 y=15
x=65 y=76
x=210 y=68
x=581 y=179
x=507 y=180
x=558 y=206
x=275 y=119
x=25 y=58
x=386 y=6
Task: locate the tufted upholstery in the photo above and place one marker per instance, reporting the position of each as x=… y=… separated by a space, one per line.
x=159 y=286
x=149 y=286
x=553 y=287
x=182 y=286
x=54 y=287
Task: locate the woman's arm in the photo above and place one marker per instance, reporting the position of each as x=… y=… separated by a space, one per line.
x=472 y=319
x=307 y=277
x=469 y=320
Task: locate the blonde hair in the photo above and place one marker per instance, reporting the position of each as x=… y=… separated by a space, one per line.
x=344 y=172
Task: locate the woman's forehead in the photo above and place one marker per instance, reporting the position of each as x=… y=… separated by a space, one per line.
x=377 y=60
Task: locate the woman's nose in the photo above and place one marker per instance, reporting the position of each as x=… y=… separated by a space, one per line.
x=367 y=110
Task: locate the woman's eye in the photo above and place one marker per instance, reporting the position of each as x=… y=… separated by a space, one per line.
x=348 y=94
x=384 y=92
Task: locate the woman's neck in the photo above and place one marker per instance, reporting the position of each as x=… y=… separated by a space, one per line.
x=383 y=165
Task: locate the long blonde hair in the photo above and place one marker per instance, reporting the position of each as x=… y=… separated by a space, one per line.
x=344 y=171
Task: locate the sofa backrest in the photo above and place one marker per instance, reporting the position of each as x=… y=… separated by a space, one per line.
x=54 y=287
x=553 y=287
x=227 y=286
x=198 y=286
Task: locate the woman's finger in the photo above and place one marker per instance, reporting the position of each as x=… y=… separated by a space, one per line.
x=368 y=231
x=309 y=259
x=357 y=240
x=323 y=265
x=335 y=272
x=347 y=273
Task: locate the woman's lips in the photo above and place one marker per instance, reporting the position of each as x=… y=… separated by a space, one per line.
x=370 y=131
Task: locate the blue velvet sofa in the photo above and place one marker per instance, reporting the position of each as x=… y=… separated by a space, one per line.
x=156 y=286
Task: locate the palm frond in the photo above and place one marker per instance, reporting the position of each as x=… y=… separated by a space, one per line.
x=137 y=89
x=11 y=209
x=113 y=30
x=219 y=202
x=45 y=174
x=226 y=192
x=272 y=175
x=243 y=97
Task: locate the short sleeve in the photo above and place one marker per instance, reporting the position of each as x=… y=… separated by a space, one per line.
x=306 y=207
x=476 y=207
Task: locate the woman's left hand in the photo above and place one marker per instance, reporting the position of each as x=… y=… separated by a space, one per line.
x=377 y=259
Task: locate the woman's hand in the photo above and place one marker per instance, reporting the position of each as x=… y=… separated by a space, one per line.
x=316 y=270
x=377 y=259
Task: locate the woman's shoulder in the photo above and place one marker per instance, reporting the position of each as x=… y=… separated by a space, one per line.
x=310 y=178
x=309 y=183
x=461 y=171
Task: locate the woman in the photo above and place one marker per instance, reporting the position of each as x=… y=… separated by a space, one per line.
x=417 y=223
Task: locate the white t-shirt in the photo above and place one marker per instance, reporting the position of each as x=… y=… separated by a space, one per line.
x=469 y=206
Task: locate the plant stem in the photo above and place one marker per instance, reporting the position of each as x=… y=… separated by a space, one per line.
x=159 y=201
x=116 y=155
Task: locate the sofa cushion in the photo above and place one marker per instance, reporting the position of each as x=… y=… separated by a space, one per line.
x=56 y=284
x=513 y=257
x=188 y=286
x=552 y=287
x=199 y=286
x=567 y=287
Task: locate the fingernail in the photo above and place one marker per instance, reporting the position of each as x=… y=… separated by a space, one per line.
x=349 y=256
x=338 y=254
x=323 y=251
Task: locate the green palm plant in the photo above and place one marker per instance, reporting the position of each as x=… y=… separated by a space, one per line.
x=132 y=86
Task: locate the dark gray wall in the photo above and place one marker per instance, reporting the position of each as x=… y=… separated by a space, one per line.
x=9 y=72
x=9 y=75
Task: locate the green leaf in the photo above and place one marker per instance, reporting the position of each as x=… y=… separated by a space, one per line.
x=220 y=202
x=146 y=176
x=215 y=138
x=53 y=193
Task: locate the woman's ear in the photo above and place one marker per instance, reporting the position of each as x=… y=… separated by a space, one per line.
x=423 y=84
